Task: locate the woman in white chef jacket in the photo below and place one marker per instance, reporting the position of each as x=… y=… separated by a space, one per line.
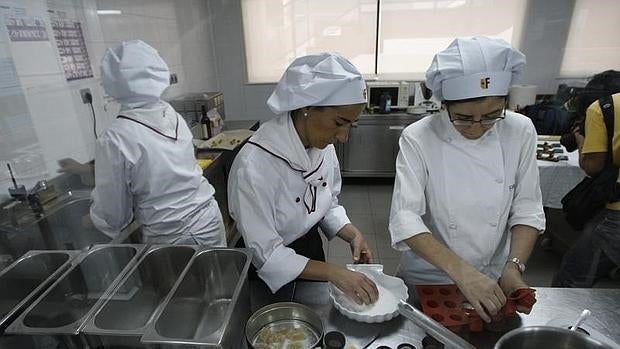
x=145 y=165
x=467 y=207
x=284 y=183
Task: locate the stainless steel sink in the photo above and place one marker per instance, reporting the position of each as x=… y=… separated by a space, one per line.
x=20 y=214
x=66 y=305
x=123 y=316
x=209 y=304
x=26 y=278
x=65 y=230
x=60 y=227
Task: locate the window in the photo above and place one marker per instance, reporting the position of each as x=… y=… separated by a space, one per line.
x=277 y=31
x=592 y=46
x=410 y=32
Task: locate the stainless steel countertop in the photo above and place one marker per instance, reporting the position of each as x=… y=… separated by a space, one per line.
x=239 y=124
x=215 y=154
x=555 y=306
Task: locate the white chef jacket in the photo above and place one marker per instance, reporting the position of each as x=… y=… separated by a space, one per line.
x=145 y=168
x=467 y=193
x=265 y=197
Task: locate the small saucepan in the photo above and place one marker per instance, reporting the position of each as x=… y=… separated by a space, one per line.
x=284 y=324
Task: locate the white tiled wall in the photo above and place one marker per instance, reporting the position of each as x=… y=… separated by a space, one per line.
x=43 y=119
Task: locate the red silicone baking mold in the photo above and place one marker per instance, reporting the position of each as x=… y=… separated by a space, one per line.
x=444 y=303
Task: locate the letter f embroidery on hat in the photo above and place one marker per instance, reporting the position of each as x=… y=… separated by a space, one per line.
x=484 y=83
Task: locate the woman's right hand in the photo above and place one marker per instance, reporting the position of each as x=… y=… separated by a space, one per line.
x=356 y=286
x=68 y=165
x=482 y=292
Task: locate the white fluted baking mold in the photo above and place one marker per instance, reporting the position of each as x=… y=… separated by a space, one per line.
x=374 y=271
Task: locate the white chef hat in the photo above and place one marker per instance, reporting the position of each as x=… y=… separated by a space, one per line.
x=475 y=67
x=318 y=80
x=134 y=73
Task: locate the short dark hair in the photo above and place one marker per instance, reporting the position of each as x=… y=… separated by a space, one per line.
x=323 y=107
x=467 y=100
x=608 y=80
x=602 y=84
x=318 y=107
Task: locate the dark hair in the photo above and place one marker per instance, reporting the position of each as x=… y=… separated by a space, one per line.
x=467 y=100
x=298 y=110
x=608 y=80
x=602 y=84
x=322 y=107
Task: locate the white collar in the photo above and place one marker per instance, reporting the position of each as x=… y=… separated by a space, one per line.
x=159 y=117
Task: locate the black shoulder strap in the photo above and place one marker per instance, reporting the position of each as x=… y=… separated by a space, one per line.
x=607 y=107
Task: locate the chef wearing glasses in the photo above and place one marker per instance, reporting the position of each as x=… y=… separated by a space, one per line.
x=467 y=206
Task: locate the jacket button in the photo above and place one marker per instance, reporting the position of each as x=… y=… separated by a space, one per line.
x=452 y=226
x=494 y=224
x=324 y=184
x=297 y=199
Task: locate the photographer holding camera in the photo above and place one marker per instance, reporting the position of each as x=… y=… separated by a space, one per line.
x=597 y=122
x=601 y=84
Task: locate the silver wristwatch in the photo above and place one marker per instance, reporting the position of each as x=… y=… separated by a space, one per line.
x=518 y=262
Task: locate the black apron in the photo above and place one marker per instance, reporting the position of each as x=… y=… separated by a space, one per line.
x=309 y=245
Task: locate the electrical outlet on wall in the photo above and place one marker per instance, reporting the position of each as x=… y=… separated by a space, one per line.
x=173 y=78
x=87 y=97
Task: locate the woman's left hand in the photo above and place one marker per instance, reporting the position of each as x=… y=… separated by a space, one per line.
x=511 y=281
x=362 y=254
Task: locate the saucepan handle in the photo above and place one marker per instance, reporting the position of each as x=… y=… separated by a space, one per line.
x=432 y=327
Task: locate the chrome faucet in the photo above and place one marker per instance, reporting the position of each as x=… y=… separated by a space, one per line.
x=19 y=192
x=32 y=196
x=39 y=187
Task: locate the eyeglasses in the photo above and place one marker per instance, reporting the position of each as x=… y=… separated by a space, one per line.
x=488 y=120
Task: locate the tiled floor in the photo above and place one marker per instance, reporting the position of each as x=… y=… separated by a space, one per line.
x=368 y=206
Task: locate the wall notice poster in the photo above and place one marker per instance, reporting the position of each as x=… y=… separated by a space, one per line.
x=72 y=49
x=26 y=28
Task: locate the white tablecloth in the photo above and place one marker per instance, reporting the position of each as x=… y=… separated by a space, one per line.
x=558 y=178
